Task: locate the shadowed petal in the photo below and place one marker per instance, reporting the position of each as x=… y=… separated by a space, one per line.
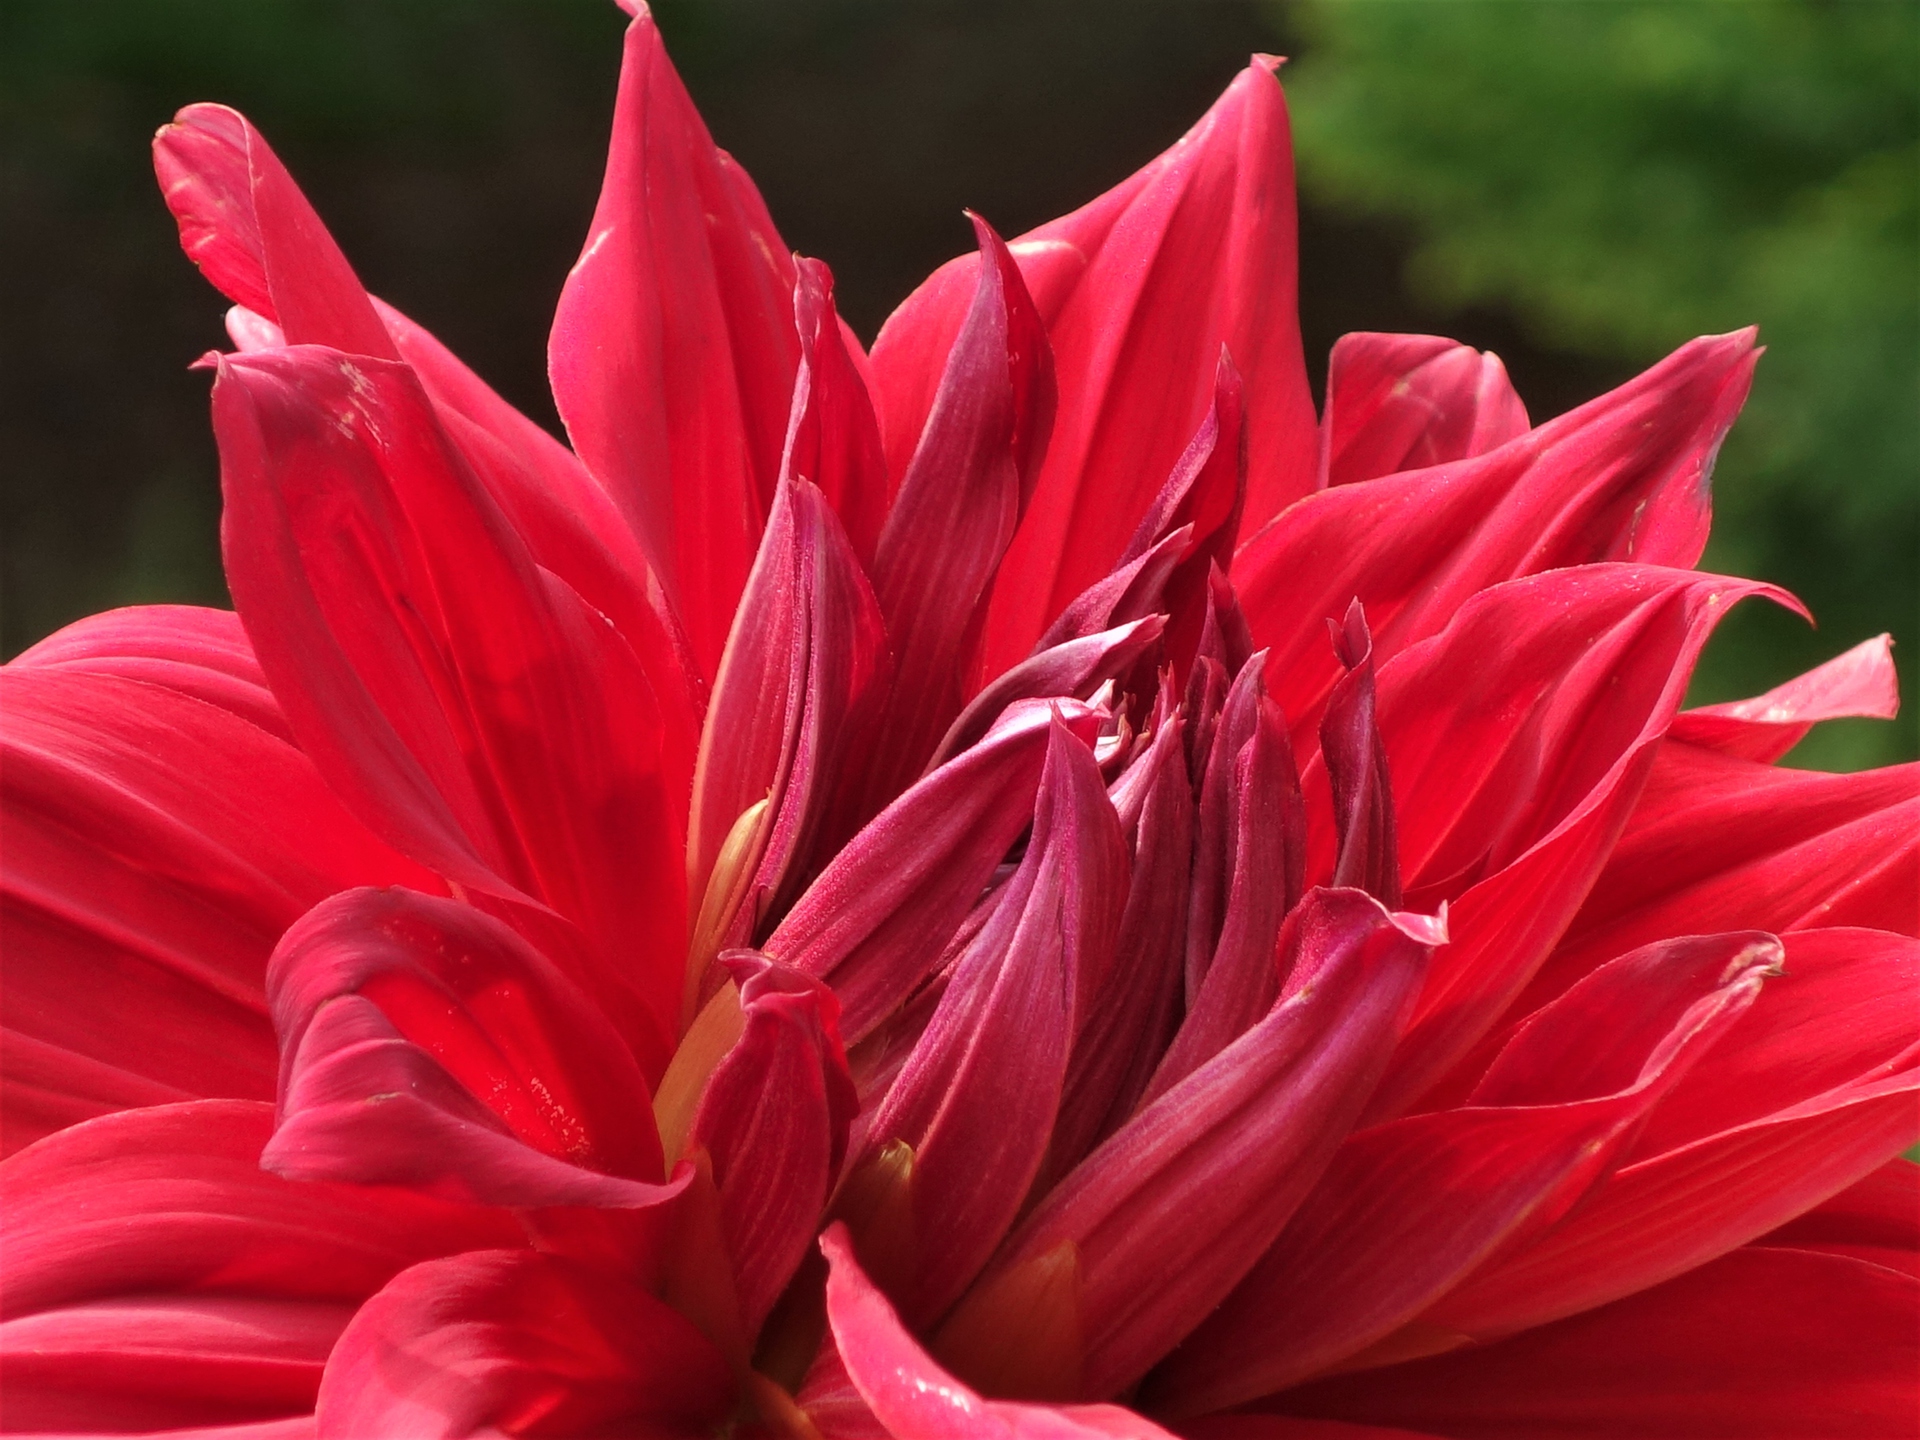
x=1405 y=402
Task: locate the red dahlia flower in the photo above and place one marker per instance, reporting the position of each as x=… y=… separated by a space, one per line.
x=1008 y=885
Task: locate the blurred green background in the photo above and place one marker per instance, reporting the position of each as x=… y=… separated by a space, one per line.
x=1579 y=185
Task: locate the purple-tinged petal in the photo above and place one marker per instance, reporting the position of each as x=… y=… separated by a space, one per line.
x=673 y=349
x=1072 y=669
x=1133 y=1015
x=804 y=666
x=773 y=1119
x=1356 y=763
x=961 y=498
x=1164 y=1219
x=1405 y=402
x=976 y=1099
x=884 y=909
x=833 y=439
x=1860 y=682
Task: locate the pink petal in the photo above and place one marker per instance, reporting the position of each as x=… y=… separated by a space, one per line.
x=1860 y=682
x=881 y=913
x=833 y=439
x=673 y=350
x=154 y=1275
x=252 y=233
x=156 y=846
x=1624 y=477
x=977 y=1098
x=1168 y=1215
x=1407 y=1209
x=1247 y=868
x=1876 y=1220
x=1140 y=290
x=1813 y=1089
x=199 y=652
x=1720 y=843
x=1763 y=1345
x=1133 y=1015
x=1405 y=402
x=463 y=701
x=963 y=493
x=1356 y=761
x=793 y=707
x=915 y=1399
x=501 y=1342
x=1520 y=738
x=774 y=1119
x=425 y=1044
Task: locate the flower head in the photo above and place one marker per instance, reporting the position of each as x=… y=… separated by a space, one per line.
x=1015 y=883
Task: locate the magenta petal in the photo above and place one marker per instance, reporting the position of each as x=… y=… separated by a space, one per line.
x=881 y=913
x=1764 y=1345
x=1408 y=1208
x=805 y=664
x=426 y=1044
x=1860 y=682
x=673 y=349
x=462 y=700
x=1168 y=1215
x=252 y=233
x=959 y=501
x=1356 y=761
x=157 y=843
x=498 y=1342
x=833 y=440
x=913 y=1398
x=1521 y=737
x=977 y=1097
x=1405 y=402
x=774 y=1119
x=1623 y=477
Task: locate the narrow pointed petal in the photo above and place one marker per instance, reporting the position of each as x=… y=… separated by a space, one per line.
x=1860 y=682
x=1256 y=847
x=426 y=1044
x=1406 y=402
x=1140 y=290
x=976 y=1100
x=509 y=1342
x=1408 y=1208
x=1624 y=477
x=881 y=913
x=1167 y=1217
x=962 y=495
x=913 y=1398
x=1521 y=737
x=1718 y=842
x=155 y=1276
x=1073 y=669
x=1767 y=1344
x=466 y=703
x=252 y=233
x=1356 y=761
x=774 y=1119
x=805 y=665
x=1133 y=590
x=1134 y=1013
x=833 y=440
x=196 y=651
x=1811 y=1091
x=156 y=846
x=673 y=350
